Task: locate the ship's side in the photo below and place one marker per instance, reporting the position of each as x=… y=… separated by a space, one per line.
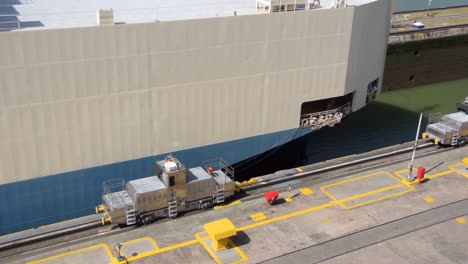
x=83 y=105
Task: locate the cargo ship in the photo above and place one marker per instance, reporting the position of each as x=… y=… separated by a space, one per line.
x=82 y=103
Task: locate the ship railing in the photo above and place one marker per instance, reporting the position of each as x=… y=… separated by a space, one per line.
x=220 y=164
x=112 y=189
x=329 y=118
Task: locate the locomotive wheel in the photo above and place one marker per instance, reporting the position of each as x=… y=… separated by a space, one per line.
x=205 y=205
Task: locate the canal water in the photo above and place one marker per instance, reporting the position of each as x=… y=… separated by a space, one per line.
x=411 y=5
x=391 y=119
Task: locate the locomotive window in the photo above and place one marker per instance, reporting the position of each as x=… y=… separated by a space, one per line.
x=171 y=181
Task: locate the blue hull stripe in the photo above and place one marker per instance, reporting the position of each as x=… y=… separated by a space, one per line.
x=67 y=195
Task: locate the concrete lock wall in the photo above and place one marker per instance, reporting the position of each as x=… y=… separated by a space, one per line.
x=83 y=97
x=427 y=61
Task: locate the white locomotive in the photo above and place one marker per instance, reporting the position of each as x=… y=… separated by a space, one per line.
x=451 y=129
x=174 y=189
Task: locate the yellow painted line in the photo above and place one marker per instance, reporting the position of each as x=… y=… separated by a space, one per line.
x=326 y=222
x=452 y=167
x=379 y=199
x=361 y=195
x=331 y=196
x=299 y=169
x=212 y=254
x=432 y=176
x=143 y=254
x=306 y=191
x=429 y=199
x=104 y=246
x=356 y=178
x=244 y=258
x=428 y=176
x=180 y=245
x=395 y=177
x=286 y=216
x=226 y=205
x=288 y=199
x=460 y=220
x=258 y=216
x=141 y=239
x=401 y=177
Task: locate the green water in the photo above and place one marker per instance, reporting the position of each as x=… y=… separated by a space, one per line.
x=428 y=99
x=391 y=119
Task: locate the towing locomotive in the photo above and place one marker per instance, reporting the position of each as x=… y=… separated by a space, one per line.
x=172 y=190
x=451 y=129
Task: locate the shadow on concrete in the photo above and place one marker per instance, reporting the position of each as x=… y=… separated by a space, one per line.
x=427 y=171
x=240 y=239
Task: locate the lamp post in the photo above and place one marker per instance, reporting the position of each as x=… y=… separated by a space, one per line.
x=410 y=165
x=428 y=6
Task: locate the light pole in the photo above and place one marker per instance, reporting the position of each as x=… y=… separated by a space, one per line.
x=428 y=6
x=410 y=165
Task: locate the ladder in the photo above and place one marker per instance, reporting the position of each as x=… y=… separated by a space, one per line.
x=219 y=195
x=172 y=209
x=130 y=214
x=455 y=138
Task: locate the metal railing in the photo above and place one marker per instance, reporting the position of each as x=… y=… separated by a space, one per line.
x=220 y=164
x=112 y=189
x=329 y=118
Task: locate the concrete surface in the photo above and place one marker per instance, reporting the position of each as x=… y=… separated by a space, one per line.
x=425 y=224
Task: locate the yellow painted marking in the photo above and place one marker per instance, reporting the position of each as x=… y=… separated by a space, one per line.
x=202 y=236
x=239 y=251
x=342 y=202
x=428 y=176
x=299 y=169
x=326 y=222
x=143 y=254
x=288 y=199
x=306 y=191
x=453 y=168
x=286 y=216
x=200 y=240
x=357 y=178
x=460 y=220
x=226 y=205
x=104 y=246
x=183 y=244
x=331 y=196
x=258 y=216
x=433 y=176
x=379 y=199
x=364 y=194
x=429 y=199
x=400 y=176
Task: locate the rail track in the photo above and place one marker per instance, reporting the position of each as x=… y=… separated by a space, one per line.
x=317 y=173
